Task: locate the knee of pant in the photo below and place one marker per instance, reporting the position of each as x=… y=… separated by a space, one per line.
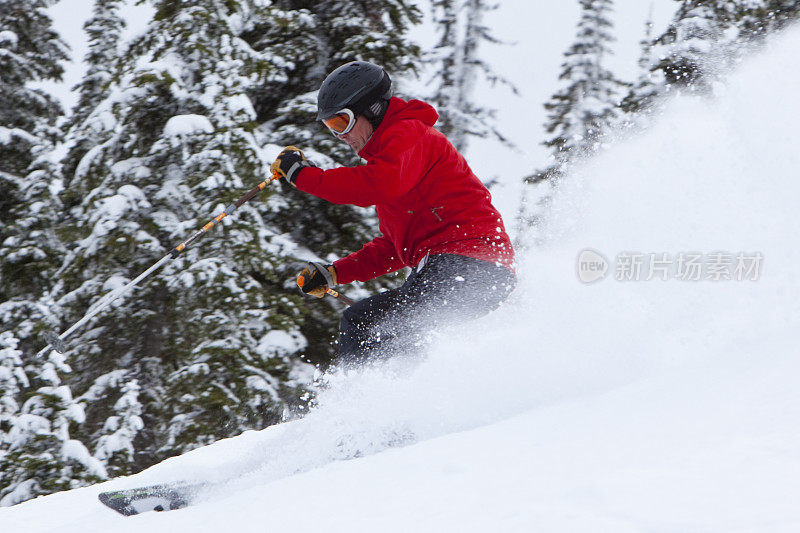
x=346 y=322
x=361 y=314
x=351 y=319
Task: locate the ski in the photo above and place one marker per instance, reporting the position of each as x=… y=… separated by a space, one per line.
x=165 y=497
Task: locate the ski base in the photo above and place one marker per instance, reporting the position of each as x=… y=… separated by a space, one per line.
x=153 y=498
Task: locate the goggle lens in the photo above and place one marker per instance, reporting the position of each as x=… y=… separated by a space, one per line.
x=340 y=123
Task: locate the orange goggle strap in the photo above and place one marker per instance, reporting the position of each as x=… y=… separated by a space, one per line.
x=341 y=123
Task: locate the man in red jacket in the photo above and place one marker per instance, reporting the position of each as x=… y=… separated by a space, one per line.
x=434 y=214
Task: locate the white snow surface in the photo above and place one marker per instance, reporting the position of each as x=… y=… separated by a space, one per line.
x=616 y=406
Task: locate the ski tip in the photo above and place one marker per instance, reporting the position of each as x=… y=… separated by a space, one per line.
x=131 y=502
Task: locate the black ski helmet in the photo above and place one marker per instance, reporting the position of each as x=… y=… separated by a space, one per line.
x=362 y=87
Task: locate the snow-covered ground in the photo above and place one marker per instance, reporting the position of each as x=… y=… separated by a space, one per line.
x=613 y=406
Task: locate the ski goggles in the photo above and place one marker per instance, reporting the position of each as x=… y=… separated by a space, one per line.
x=341 y=123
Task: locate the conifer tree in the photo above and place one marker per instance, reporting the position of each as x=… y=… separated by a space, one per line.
x=644 y=92
x=781 y=13
x=12 y=380
x=30 y=51
x=29 y=253
x=458 y=64
x=209 y=337
x=695 y=48
x=580 y=113
x=39 y=456
x=103 y=31
x=448 y=57
x=759 y=18
x=704 y=38
x=115 y=448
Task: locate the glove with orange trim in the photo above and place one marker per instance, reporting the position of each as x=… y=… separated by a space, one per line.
x=289 y=163
x=316 y=279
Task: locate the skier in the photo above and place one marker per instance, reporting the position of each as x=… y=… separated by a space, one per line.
x=434 y=214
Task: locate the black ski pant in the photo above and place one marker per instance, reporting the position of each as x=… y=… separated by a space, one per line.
x=448 y=289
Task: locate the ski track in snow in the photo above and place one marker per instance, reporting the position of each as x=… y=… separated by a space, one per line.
x=618 y=406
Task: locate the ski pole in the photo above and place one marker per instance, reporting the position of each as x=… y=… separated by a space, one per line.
x=339 y=296
x=56 y=341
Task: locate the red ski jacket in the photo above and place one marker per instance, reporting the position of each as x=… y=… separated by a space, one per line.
x=427 y=199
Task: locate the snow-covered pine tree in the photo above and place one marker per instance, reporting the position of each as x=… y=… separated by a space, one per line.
x=31 y=51
x=446 y=54
x=758 y=18
x=12 y=380
x=645 y=91
x=209 y=338
x=581 y=112
x=705 y=38
x=115 y=447
x=38 y=455
x=695 y=48
x=781 y=13
x=103 y=31
x=93 y=121
x=213 y=339
x=30 y=252
x=534 y=208
x=457 y=64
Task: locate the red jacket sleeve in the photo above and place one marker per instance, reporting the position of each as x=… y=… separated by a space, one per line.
x=394 y=171
x=376 y=258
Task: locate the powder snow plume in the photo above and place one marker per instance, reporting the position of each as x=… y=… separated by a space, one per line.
x=629 y=405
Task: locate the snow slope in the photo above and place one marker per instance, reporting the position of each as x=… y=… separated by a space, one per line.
x=616 y=406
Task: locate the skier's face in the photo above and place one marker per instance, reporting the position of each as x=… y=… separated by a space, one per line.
x=359 y=135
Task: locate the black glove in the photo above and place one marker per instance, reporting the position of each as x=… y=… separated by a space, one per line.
x=289 y=164
x=317 y=278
